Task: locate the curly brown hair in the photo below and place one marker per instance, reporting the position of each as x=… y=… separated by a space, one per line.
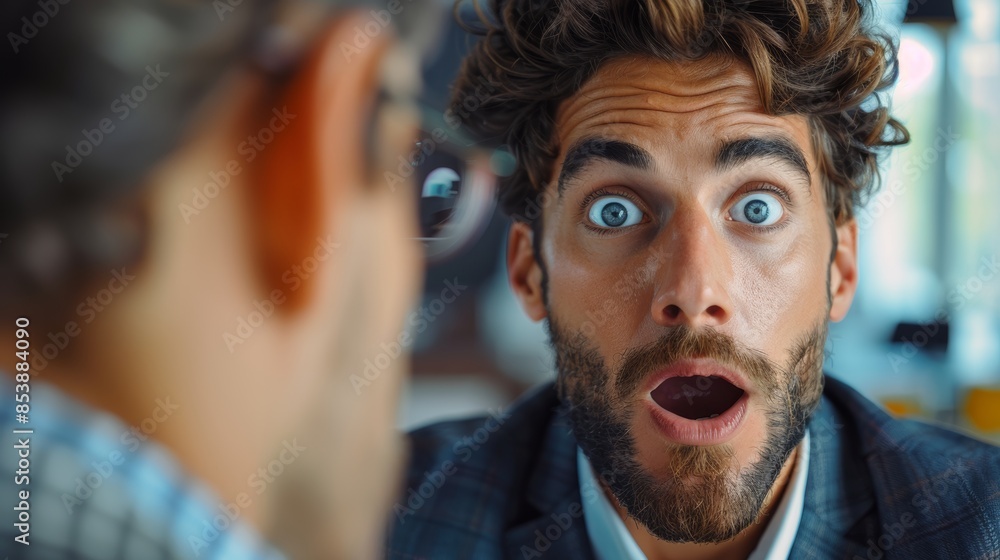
x=820 y=58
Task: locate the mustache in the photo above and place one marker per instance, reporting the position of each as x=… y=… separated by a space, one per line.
x=685 y=343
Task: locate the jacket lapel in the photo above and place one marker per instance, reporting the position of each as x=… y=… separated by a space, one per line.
x=839 y=512
x=555 y=527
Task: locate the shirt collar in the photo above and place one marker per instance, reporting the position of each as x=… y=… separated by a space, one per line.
x=106 y=487
x=611 y=539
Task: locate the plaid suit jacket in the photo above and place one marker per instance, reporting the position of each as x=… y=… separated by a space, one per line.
x=505 y=487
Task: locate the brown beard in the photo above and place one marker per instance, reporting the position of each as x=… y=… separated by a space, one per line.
x=698 y=498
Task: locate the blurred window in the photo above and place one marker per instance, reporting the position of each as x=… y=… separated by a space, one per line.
x=930 y=238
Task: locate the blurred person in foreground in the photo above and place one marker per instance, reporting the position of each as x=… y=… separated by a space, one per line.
x=195 y=227
x=683 y=220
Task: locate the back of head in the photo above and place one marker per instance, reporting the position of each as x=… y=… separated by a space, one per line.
x=96 y=96
x=189 y=213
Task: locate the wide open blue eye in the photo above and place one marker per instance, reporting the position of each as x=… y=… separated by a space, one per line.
x=759 y=209
x=614 y=212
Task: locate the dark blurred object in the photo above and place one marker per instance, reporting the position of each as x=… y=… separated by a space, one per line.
x=930 y=11
x=940 y=14
x=937 y=341
x=456 y=188
x=477 y=263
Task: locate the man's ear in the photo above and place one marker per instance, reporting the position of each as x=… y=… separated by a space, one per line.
x=844 y=270
x=524 y=272
x=317 y=160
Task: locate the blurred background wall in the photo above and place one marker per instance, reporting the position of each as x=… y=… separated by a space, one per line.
x=923 y=336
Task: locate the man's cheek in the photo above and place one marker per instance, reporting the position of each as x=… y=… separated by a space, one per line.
x=588 y=309
x=777 y=302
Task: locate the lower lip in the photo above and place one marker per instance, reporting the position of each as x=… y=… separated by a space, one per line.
x=711 y=431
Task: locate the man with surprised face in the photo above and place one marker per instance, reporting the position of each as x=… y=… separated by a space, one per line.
x=683 y=220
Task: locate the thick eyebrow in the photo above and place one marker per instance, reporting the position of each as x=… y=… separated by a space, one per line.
x=736 y=152
x=587 y=151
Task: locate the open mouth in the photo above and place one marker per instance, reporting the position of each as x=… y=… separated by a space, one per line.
x=697 y=397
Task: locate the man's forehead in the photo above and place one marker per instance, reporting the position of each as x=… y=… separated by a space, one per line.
x=665 y=85
x=680 y=77
x=661 y=104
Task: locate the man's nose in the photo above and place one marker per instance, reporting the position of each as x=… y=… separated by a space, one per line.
x=691 y=283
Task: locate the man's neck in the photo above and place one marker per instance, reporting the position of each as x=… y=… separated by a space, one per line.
x=738 y=548
x=169 y=417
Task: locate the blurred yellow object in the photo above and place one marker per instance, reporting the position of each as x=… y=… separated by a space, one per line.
x=982 y=408
x=902 y=406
